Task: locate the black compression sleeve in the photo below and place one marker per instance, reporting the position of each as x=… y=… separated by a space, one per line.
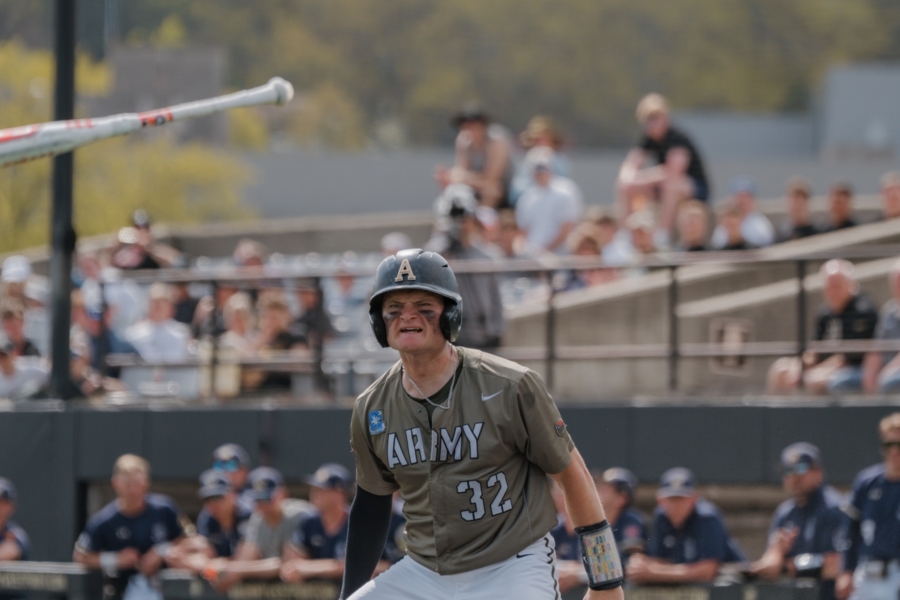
x=370 y=519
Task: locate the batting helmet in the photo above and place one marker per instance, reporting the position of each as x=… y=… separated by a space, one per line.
x=416 y=269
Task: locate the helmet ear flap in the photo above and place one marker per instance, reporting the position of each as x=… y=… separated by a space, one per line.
x=379 y=328
x=451 y=320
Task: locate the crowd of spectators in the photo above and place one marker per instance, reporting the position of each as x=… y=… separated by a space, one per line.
x=250 y=528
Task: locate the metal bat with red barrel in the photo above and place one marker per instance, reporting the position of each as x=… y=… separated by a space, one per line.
x=21 y=144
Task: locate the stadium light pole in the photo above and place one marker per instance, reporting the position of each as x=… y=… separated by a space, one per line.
x=62 y=234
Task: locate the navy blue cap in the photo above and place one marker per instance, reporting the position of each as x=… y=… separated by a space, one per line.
x=231 y=453
x=213 y=483
x=263 y=483
x=331 y=476
x=622 y=479
x=7 y=490
x=799 y=458
x=742 y=184
x=677 y=482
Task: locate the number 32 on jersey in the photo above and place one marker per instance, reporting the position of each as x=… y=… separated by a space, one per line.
x=499 y=505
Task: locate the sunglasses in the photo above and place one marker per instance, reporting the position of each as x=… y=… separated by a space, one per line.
x=886 y=446
x=229 y=466
x=798 y=469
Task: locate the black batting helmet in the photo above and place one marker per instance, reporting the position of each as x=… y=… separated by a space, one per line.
x=416 y=269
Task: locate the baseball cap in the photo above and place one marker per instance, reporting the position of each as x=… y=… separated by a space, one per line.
x=742 y=184
x=16 y=269
x=331 y=476
x=7 y=490
x=213 y=483
x=622 y=479
x=230 y=457
x=799 y=458
x=677 y=482
x=469 y=114
x=263 y=483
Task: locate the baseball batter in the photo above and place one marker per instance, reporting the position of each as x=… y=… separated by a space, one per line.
x=469 y=439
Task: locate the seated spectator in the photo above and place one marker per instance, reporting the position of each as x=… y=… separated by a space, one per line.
x=19 y=377
x=125 y=299
x=394 y=242
x=185 y=304
x=37 y=317
x=808 y=524
x=510 y=240
x=848 y=314
x=584 y=241
x=101 y=338
x=677 y=174
x=347 y=300
x=548 y=211
x=483 y=158
x=83 y=380
x=239 y=335
x=690 y=541
x=313 y=324
x=756 y=229
x=615 y=245
x=223 y=520
x=12 y=318
x=890 y=195
x=14 y=542
x=14 y=276
x=840 y=207
x=319 y=545
x=234 y=462
x=693 y=226
x=274 y=336
x=730 y=219
x=540 y=133
x=269 y=530
x=642 y=226
x=881 y=370
x=616 y=488
x=799 y=222
x=160 y=338
x=130 y=538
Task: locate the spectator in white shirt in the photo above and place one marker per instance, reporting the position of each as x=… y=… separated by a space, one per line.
x=160 y=338
x=548 y=211
x=756 y=230
x=19 y=376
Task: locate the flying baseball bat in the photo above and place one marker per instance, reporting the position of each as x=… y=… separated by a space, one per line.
x=20 y=144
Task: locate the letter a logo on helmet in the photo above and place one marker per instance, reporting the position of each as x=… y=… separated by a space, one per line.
x=405 y=269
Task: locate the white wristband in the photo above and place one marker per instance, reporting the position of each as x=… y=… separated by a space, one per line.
x=109 y=561
x=162 y=549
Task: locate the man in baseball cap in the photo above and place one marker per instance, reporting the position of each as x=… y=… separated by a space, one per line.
x=690 y=540
x=805 y=533
x=319 y=544
x=616 y=487
x=223 y=521
x=14 y=543
x=269 y=529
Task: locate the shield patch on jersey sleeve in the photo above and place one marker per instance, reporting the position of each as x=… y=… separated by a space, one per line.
x=560 y=427
x=376 y=422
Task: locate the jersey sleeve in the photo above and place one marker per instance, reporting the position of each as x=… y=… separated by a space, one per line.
x=91 y=539
x=371 y=474
x=541 y=433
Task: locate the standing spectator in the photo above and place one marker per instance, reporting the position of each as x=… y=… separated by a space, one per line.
x=12 y=317
x=693 y=226
x=319 y=545
x=881 y=370
x=483 y=158
x=799 y=224
x=690 y=540
x=840 y=207
x=549 y=210
x=101 y=338
x=269 y=531
x=160 y=338
x=678 y=173
x=616 y=487
x=890 y=195
x=848 y=314
x=131 y=536
x=457 y=235
x=234 y=462
x=808 y=523
x=19 y=377
x=14 y=542
x=872 y=555
x=541 y=132
x=756 y=229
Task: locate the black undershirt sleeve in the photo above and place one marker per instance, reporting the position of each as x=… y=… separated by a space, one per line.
x=370 y=519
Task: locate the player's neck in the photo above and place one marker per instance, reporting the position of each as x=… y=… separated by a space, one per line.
x=333 y=518
x=430 y=370
x=891 y=473
x=129 y=509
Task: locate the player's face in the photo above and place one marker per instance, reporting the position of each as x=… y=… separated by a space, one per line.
x=678 y=509
x=131 y=487
x=801 y=484
x=413 y=320
x=219 y=506
x=611 y=498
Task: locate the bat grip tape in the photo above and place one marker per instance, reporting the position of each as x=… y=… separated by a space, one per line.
x=600 y=556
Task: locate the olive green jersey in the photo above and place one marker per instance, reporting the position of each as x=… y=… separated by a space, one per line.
x=474 y=482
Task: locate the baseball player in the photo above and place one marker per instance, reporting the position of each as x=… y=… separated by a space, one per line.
x=14 y=542
x=616 y=487
x=872 y=558
x=469 y=439
x=805 y=537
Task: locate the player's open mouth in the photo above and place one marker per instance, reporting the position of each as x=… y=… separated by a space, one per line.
x=410 y=330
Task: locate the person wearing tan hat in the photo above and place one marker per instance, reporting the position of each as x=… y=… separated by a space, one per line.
x=678 y=173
